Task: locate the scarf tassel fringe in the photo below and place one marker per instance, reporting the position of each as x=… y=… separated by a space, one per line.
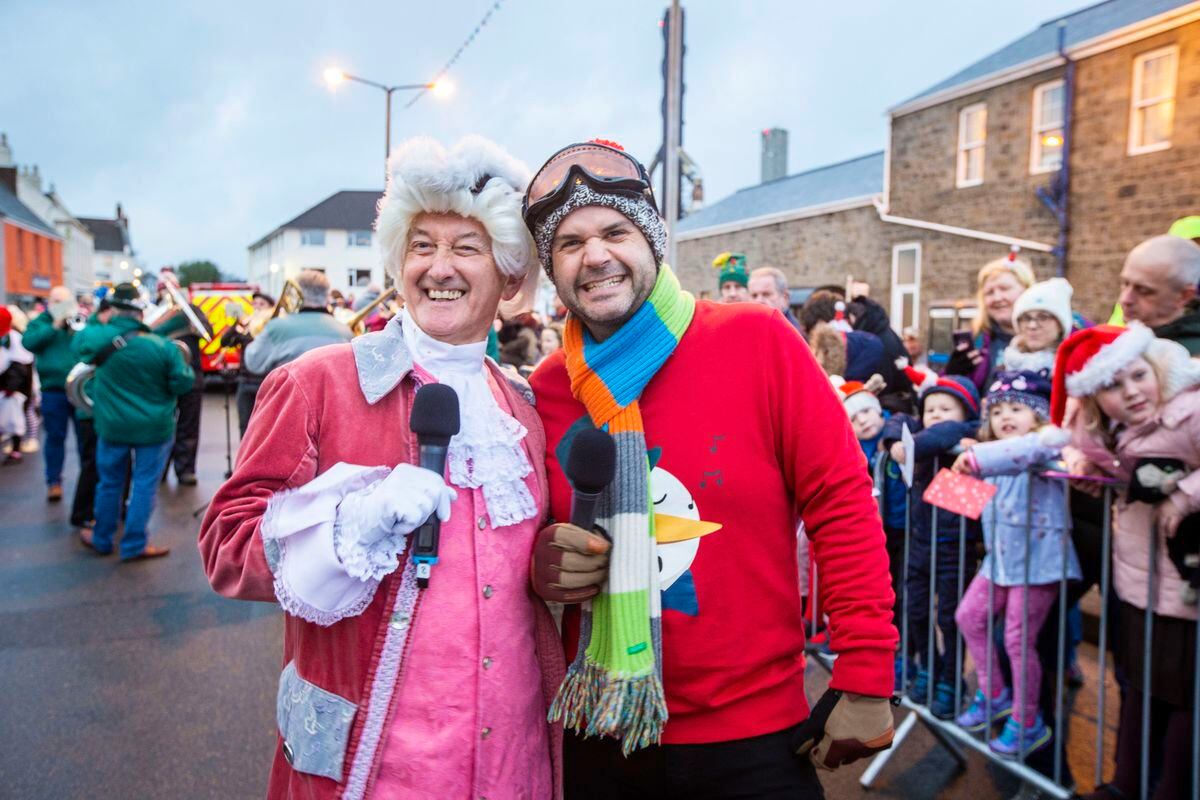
x=633 y=708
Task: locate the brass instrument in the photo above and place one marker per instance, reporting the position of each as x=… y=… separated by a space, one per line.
x=172 y=320
x=291 y=299
x=357 y=322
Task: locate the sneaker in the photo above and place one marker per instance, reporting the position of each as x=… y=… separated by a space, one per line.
x=975 y=718
x=1008 y=743
x=943 y=700
x=920 y=686
x=54 y=492
x=30 y=445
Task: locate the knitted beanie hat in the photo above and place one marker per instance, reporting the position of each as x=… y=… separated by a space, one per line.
x=958 y=387
x=733 y=269
x=856 y=398
x=1030 y=389
x=126 y=296
x=639 y=211
x=1052 y=296
x=1089 y=360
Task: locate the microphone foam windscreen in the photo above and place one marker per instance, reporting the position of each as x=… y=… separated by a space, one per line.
x=434 y=417
x=592 y=461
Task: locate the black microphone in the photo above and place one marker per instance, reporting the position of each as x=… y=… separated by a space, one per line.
x=434 y=419
x=591 y=465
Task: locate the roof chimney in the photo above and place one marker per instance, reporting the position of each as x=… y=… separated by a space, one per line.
x=774 y=154
x=5 y=151
x=120 y=213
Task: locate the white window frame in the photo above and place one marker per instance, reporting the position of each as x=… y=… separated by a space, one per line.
x=964 y=147
x=352 y=278
x=353 y=241
x=899 y=290
x=1137 y=103
x=1038 y=127
x=304 y=234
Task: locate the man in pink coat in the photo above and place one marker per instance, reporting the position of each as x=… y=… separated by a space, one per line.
x=389 y=689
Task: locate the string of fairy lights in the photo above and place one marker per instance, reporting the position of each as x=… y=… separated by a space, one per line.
x=461 y=49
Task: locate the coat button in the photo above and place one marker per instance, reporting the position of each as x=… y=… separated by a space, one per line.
x=481 y=522
x=483 y=734
x=487 y=592
x=399 y=620
x=487 y=662
x=287 y=752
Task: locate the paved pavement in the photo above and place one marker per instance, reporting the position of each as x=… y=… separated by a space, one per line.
x=137 y=681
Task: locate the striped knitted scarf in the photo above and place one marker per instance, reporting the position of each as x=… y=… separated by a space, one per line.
x=614 y=687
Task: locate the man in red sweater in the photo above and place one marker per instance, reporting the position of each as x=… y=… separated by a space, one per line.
x=739 y=450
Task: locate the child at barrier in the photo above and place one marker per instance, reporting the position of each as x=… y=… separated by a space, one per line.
x=1027 y=511
x=867 y=418
x=1139 y=405
x=949 y=408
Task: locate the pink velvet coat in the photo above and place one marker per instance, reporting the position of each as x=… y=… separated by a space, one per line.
x=350 y=403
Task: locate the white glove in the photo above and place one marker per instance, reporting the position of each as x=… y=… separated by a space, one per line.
x=372 y=523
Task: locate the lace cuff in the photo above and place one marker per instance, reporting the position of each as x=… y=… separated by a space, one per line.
x=298 y=525
x=364 y=560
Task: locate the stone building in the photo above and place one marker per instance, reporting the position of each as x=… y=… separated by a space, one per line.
x=973 y=166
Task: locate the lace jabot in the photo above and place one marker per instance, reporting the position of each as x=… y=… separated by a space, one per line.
x=486 y=453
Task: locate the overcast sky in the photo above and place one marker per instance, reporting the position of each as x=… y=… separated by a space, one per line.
x=210 y=123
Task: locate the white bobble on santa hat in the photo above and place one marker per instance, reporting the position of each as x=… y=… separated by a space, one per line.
x=839 y=318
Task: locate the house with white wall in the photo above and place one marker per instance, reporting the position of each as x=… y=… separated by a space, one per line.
x=334 y=236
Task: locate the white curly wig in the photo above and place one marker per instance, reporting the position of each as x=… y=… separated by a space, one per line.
x=475 y=178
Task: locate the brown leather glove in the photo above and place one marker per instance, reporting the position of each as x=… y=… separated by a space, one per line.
x=569 y=563
x=844 y=727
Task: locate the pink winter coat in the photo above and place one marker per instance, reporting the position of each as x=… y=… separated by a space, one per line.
x=1173 y=433
x=350 y=403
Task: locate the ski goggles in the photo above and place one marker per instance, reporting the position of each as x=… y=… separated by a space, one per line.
x=604 y=168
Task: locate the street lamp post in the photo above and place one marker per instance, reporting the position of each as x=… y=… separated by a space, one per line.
x=335 y=76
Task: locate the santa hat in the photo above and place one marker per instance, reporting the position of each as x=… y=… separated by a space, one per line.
x=475 y=178
x=921 y=380
x=839 y=321
x=1052 y=296
x=856 y=397
x=5 y=321
x=1089 y=359
x=958 y=387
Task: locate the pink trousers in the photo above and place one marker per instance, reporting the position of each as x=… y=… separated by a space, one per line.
x=1008 y=601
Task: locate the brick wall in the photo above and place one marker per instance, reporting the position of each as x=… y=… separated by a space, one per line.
x=811 y=251
x=924 y=166
x=1118 y=200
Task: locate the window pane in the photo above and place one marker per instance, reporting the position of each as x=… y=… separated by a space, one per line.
x=974 y=171
x=1050 y=149
x=1156 y=76
x=906 y=266
x=1156 y=123
x=1052 y=108
x=975 y=123
x=312 y=237
x=907 y=315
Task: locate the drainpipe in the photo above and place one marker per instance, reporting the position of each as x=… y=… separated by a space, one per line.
x=1057 y=196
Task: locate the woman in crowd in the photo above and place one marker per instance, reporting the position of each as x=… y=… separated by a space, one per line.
x=1000 y=283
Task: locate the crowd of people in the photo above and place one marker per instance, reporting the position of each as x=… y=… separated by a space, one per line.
x=673 y=663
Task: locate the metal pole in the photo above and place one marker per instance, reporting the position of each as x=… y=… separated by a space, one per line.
x=904 y=643
x=1019 y=701
x=1105 y=575
x=958 y=640
x=932 y=634
x=387 y=132
x=674 y=119
x=1196 y=720
x=1147 y=659
x=1064 y=533
x=991 y=625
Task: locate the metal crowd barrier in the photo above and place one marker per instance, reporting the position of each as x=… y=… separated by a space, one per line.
x=1048 y=779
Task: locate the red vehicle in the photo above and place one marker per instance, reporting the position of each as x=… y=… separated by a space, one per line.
x=221 y=302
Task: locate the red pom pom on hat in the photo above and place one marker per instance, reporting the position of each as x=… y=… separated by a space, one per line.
x=608 y=143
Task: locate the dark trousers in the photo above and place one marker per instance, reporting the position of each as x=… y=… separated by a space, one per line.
x=187 y=432
x=761 y=767
x=247 y=392
x=82 y=508
x=57 y=415
x=945 y=586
